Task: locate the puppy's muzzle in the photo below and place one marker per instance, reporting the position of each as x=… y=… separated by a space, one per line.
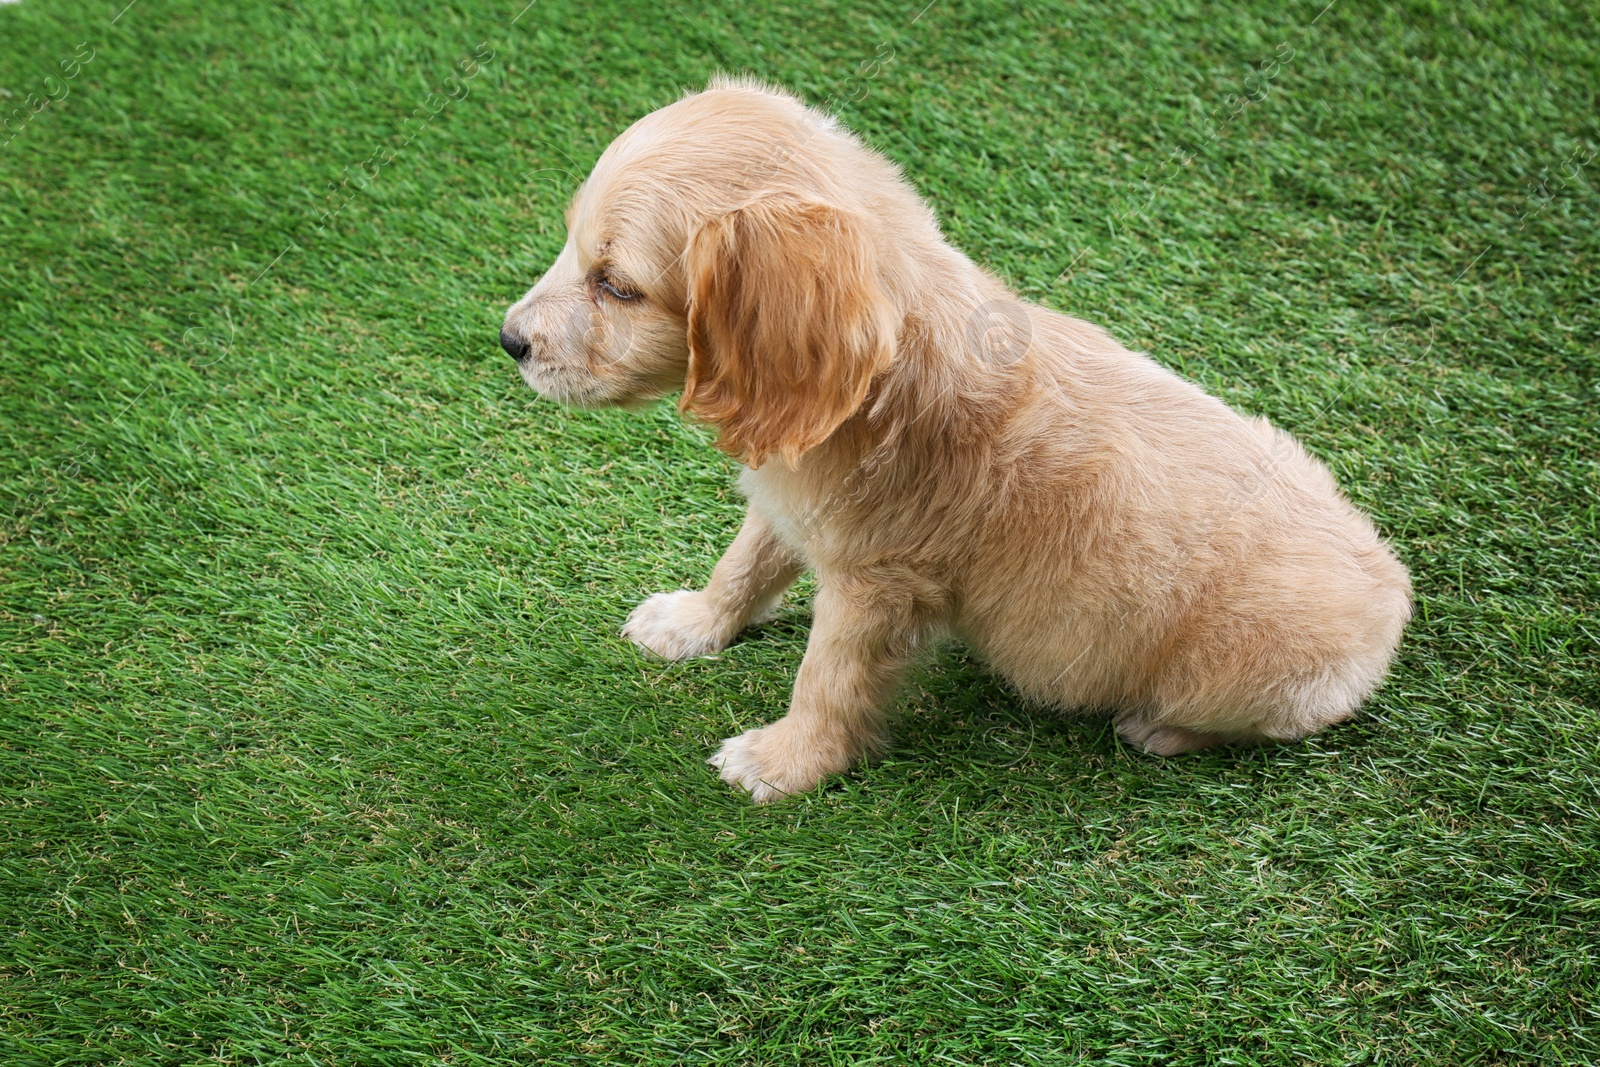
x=515 y=346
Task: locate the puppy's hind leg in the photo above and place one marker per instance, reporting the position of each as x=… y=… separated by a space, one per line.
x=747 y=582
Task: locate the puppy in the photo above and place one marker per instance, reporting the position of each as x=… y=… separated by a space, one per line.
x=949 y=460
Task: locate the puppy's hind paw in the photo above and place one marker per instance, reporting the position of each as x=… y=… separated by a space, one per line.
x=1165 y=740
x=678 y=625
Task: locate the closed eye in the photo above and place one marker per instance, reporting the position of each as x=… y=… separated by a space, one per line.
x=615 y=288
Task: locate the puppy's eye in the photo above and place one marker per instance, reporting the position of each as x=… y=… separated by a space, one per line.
x=615 y=289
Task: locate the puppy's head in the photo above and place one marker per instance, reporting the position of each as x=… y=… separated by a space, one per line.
x=722 y=246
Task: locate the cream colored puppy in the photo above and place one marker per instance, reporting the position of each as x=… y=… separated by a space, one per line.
x=949 y=460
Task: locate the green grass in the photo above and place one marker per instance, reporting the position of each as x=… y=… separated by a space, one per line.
x=318 y=743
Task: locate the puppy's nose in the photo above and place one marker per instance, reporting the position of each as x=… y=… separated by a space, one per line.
x=515 y=346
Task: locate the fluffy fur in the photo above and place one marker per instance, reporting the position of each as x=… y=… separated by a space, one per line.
x=949 y=460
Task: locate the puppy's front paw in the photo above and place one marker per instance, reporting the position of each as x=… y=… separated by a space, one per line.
x=678 y=625
x=765 y=765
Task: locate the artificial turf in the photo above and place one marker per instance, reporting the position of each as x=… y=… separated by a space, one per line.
x=318 y=743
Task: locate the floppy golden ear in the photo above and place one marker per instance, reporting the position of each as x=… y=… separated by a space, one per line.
x=787 y=325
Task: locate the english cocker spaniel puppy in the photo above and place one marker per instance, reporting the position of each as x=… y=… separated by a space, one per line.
x=949 y=459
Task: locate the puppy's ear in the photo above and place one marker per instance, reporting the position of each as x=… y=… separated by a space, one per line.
x=787 y=325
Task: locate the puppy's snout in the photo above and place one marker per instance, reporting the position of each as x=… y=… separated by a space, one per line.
x=515 y=346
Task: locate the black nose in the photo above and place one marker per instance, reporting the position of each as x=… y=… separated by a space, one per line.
x=515 y=346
